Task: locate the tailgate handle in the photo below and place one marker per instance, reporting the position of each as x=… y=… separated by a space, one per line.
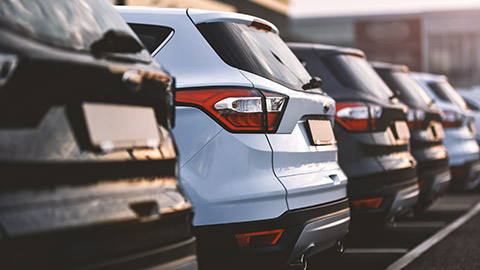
x=146 y=210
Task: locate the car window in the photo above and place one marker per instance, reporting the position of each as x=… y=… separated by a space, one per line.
x=472 y=106
x=356 y=73
x=257 y=51
x=410 y=91
x=446 y=92
x=152 y=36
x=72 y=24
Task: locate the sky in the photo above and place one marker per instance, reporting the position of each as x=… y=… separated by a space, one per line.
x=322 y=8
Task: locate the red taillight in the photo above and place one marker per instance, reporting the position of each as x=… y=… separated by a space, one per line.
x=259 y=239
x=238 y=109
x=415 y=119
x=451 y=119
x=365 y=204
x=357 y=116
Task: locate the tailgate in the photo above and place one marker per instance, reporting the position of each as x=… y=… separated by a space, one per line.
x=305 y=152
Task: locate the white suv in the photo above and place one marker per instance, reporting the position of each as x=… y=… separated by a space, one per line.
x=258 y=157
x=458 y=123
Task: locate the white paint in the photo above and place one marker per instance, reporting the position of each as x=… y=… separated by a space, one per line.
x=425 y=245
x=419 y=224
x=375 y=250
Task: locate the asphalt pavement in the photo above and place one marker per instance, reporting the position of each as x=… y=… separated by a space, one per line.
x=459 y=250
x=440 y=238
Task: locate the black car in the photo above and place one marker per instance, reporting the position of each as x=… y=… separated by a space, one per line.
x=372 y=133
x=88 y=166
x=426 y=131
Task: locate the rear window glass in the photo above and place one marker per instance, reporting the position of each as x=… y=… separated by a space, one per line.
x=151 y=36
x=410 y=91
x=472 y=106
x=446 y=92
x=257 y=51
x=356 y=73
x=72 y=24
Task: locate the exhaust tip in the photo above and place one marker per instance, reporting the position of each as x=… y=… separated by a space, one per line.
x=300 y=264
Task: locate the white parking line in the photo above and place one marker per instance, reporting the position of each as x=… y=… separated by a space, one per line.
x=420 y=224
x=425 y=245
x=375 y=250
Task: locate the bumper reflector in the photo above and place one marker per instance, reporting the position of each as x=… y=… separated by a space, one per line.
x=421 y=183
x=364 y=204
x=259 y=239
x=457 y=171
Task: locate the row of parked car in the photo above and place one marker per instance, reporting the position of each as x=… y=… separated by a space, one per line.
x=89 y=163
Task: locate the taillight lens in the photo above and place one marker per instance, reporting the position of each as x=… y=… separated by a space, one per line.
x=259 y=239
x=415 y=119
x=366 y=204
x=8 y=64
x=239 y=110
x=451 y=119
x=357 y=116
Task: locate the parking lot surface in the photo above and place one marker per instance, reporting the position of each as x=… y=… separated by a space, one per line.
x=380 y=249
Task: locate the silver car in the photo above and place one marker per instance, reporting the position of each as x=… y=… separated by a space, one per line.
x=472 y=99
x=258 y=157
x=458 y=123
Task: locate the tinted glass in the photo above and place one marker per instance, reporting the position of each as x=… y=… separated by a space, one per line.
x=257 y=51
x=472 y=106
x=356 y=73
x=151 y=36
x=72 y=24
x=410 y=91
x=446 y=92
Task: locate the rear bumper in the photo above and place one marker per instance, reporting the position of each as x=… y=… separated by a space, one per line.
x=310 y=230
x=61 y=251
x=398 y=189
x=466 y=176
x=434 y=179
x=80 y=233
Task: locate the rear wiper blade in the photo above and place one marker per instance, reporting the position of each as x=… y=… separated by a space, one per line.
x=114 y=41
x=315 y=82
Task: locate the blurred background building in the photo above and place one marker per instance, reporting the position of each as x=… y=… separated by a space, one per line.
x=434 y=36
x=444 y=42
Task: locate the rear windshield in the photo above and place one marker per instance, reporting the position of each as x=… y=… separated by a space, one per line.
x=356 y=73
x=446 y=92
x=257 y=51
x=72 y=24
x=410 y=91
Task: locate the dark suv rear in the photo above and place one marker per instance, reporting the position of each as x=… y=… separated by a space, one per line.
x=88 y=166
x=371 y=129
x=425 y=124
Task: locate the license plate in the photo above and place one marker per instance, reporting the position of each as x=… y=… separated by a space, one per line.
x=321 y=132
x=402 y=130
x=112 y=127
